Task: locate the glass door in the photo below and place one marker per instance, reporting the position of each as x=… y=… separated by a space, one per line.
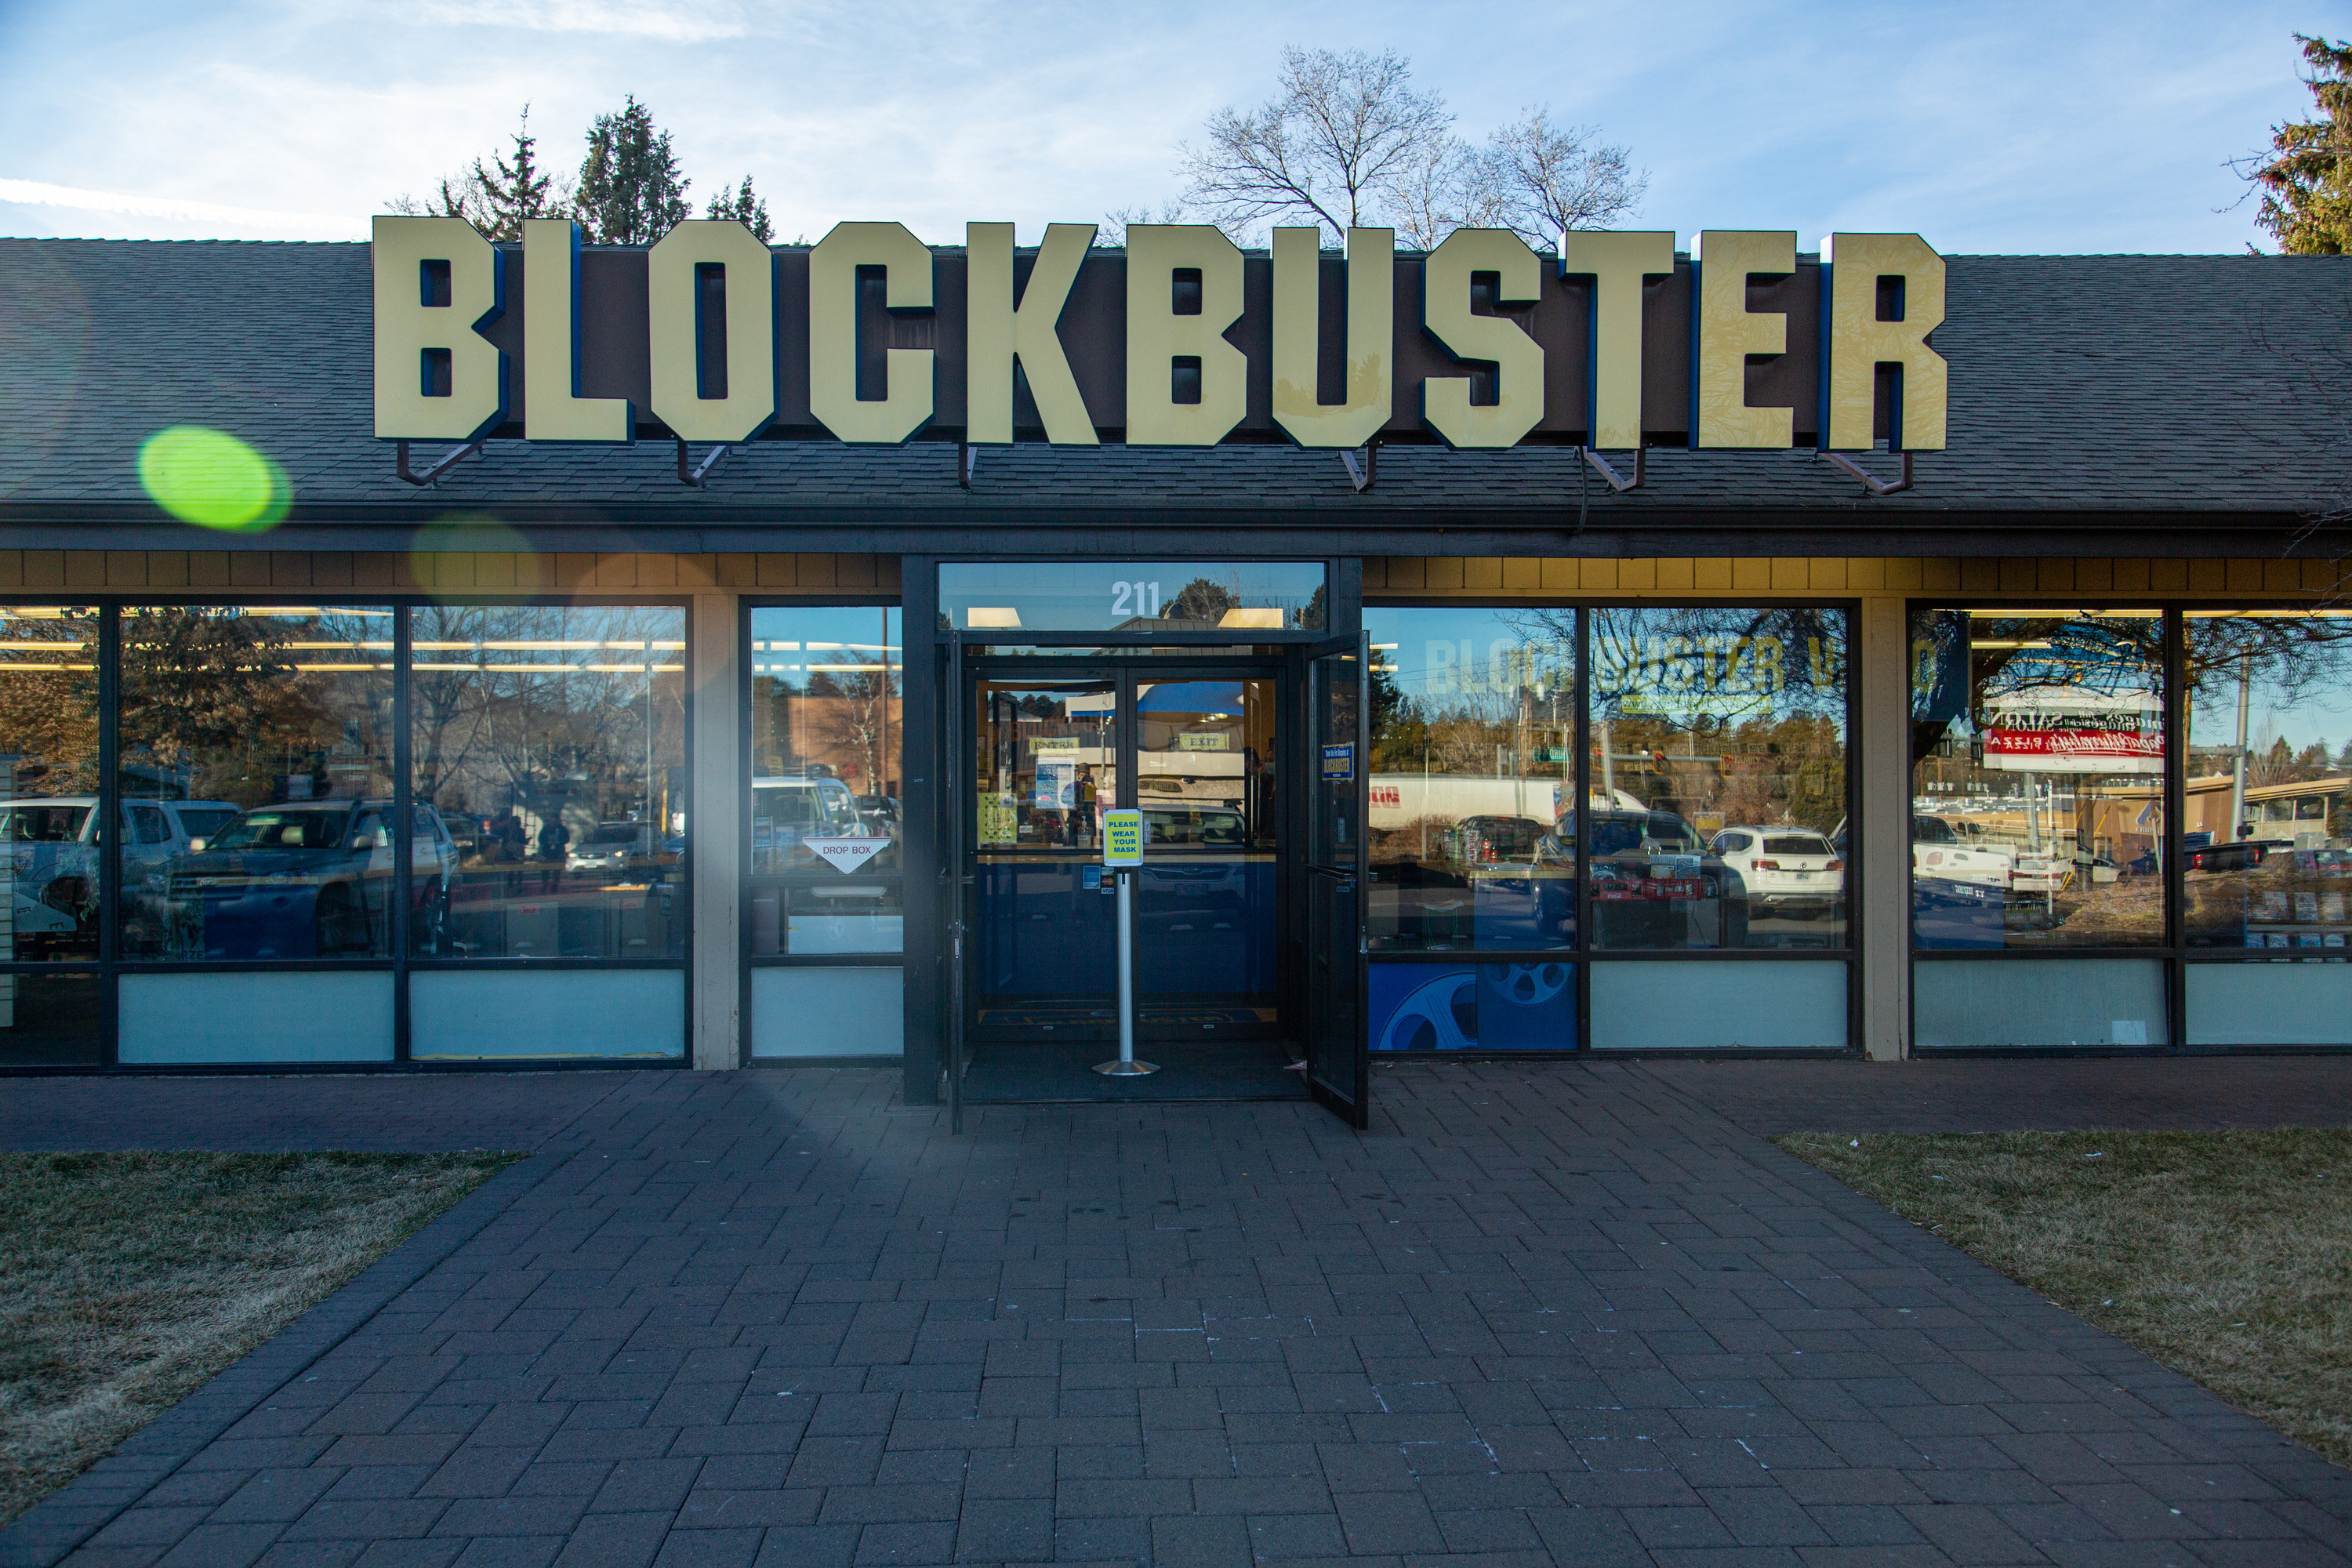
x=1201 y=747
x=1339 y=801
x=1045 y=765
x=1206 y=774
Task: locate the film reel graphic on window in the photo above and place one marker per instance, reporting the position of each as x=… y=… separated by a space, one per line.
x=1509 y=1007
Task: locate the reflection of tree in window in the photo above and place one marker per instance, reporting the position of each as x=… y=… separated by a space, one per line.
x=499 y=722
x=1722 y=715
x=48 y=712
x=226 y=704
x=1200 y=600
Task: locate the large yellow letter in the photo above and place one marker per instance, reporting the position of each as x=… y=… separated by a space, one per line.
x=996 y=333
x=1157 y=337
x=437 y=379
x=674 y=295
x=552 y=408
x=1517 y=358
x=1365 y=405
x=905 y=262
x=1728 y=333
x=1617 y=264
x=1852 y=268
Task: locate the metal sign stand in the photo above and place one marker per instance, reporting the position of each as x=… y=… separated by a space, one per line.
x=1123 y=851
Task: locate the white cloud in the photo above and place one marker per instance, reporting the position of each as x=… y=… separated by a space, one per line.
x=674 y=24
x=175 y=209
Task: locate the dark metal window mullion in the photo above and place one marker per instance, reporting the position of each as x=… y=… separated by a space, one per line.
x=1582 y=804
x=404 y=846
x=2175 y=790
x=109 y=808
x=1857 y=936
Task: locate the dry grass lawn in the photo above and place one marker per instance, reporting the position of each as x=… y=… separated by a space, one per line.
x=128 y=1281
x=2226 y=1255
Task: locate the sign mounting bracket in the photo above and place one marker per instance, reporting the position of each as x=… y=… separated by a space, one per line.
x=701 y=471
x=1870 y=481
x=1616 y=480
x=433 y=474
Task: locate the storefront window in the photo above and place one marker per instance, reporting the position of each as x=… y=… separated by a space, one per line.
x=1474 y=718
x=826 y=688
x=1718 y=778
x=2266 y=873
x=547 y=744
x=256 y=783
x=49 y=821
x=2037 y=746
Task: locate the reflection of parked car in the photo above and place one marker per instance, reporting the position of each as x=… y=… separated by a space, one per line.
x=1198 y=827
x=51 y=847
x=612 y=845
x=1648 y=867
x=1940 y=853
x=1788 y=871
x=785 y=810
x=2243 y=855
x=307 y=879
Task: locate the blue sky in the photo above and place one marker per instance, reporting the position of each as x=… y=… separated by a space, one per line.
x=1985 y=127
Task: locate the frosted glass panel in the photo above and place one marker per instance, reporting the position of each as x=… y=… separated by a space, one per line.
x=1703 y=1007
x=506 y=1015
x=812 y=1012
x=2056 y=1002
x=2270 y=1004
x=331 y=1016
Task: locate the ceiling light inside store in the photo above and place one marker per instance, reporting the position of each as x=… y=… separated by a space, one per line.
x=996 y=618
x=1265 y=619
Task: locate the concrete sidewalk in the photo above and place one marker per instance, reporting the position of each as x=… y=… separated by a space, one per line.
x=1540 y=1314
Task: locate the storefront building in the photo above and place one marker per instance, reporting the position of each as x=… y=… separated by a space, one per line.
x=1904 y=656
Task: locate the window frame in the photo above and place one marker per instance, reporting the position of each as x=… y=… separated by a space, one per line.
x=746 y=961
x=1583 y=955
x=2174 y=954
x=109 y=966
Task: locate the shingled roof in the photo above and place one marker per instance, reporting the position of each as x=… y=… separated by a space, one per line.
x=2110 y=393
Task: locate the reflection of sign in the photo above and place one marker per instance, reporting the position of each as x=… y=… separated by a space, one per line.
x=1387 y=795
x=1123 y=837
x=1339 y=764
x=2074 y=730
x=1196 y=740
x=846 y=855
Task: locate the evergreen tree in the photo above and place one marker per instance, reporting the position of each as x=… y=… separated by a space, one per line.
x=746 y=207
x=496 y=198
x=630 y=190
x=516 y=189
x=2307 y=176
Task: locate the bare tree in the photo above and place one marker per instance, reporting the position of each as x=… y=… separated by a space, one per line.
x=1112 y=231
x=1442 y=187
x=1326 y=147
x=1542 y=181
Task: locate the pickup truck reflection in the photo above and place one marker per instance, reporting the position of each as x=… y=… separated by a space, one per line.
x=307 y=879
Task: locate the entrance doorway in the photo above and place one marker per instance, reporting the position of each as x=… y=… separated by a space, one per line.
x=1204 y=750
x=1250 y=769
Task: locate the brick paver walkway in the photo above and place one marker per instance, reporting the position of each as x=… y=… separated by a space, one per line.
x=389 y=1113
x=1539 y=1315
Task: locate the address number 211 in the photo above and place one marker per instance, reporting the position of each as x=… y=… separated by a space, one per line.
x=1135 y=598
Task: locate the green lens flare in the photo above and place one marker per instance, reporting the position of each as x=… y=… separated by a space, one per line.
x=213 y=479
